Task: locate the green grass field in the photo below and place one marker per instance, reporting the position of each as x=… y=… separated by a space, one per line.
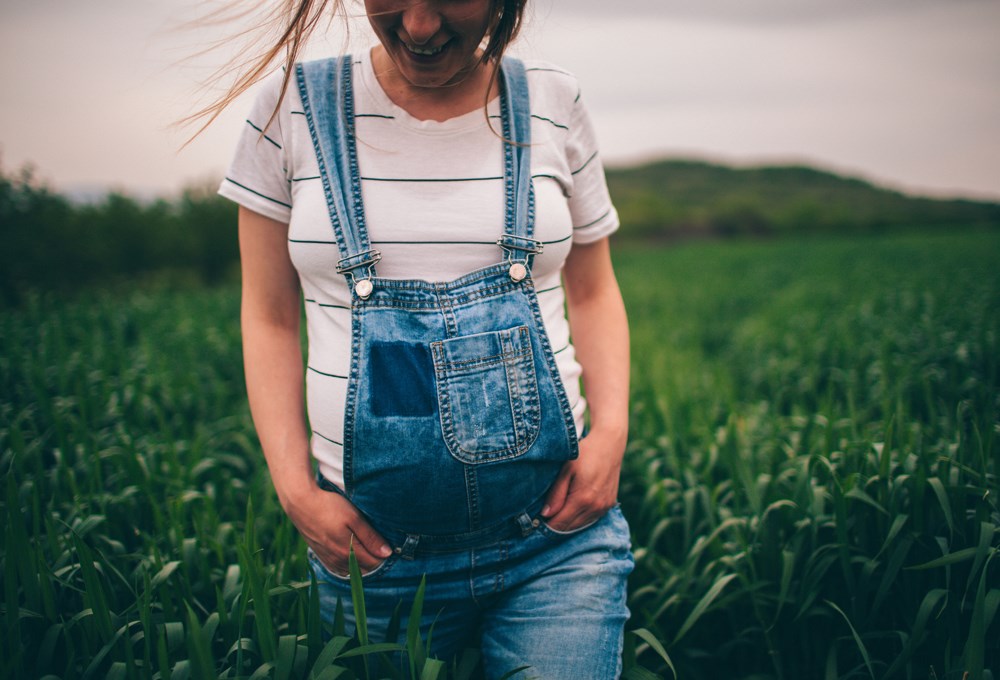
x=811 y=478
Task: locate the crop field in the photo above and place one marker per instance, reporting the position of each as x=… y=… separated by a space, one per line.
x=811 y=478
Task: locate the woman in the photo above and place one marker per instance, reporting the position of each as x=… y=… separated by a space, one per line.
x=441 y=209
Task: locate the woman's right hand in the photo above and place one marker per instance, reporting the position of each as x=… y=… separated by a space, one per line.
x=331 y=526
x=272 y=357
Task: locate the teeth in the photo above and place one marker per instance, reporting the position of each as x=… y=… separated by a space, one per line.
x=424 y=51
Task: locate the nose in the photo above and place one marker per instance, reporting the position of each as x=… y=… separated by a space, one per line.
x=421 y=21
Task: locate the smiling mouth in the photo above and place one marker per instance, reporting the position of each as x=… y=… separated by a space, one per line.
x=425 y=51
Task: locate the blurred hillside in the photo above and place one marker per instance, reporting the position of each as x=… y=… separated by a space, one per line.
x=54 y=243
x=690 y=199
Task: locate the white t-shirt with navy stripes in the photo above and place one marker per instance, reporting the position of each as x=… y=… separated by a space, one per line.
x=434 y=205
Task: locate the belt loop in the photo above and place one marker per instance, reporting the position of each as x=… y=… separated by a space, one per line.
x=409 y=548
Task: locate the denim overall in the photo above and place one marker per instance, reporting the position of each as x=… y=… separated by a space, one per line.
x=456 y=420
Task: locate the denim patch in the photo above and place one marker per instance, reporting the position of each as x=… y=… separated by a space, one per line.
x=401 y=379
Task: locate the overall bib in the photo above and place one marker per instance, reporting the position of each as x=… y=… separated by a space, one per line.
x=456 y=421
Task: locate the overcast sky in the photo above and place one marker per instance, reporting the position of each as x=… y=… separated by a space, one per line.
x=903 y=92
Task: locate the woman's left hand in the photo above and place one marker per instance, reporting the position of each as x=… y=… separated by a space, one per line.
x=586 y=487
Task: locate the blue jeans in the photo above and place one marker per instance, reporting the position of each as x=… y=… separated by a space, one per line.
x=550 y=600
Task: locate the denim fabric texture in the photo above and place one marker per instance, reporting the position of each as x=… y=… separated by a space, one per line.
x=457 y=421
x=552 y=601
x=486 y=445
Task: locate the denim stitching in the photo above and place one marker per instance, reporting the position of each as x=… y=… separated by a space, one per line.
x=523 y=372
x=307 y=104
x=472 y=496
x=525 y=430
x=488 y=360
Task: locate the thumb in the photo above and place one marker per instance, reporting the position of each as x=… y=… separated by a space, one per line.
x=556 y=497
x=369 y=538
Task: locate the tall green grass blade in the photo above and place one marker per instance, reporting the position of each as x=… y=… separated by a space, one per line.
x=263 y=671
x=897 y=525
x=857 y=639
x=285 y=658
x=963 y=555
x=199 y=647
x=358 y=602
x=975 y=647
x=98 y=659
x=358 y=598
x=860 y=495
x=656 y=646
x=787 y=571
x=94 y=591
x=372 y=648
x=326 y=657
x=314 y=620
x=889 y=575
x=703 y=604
x=258 y=587
x=885 y=455
x=432 y=670
x=931 y=603
x=416 y=653
x=164 y=573
x=984 y=550
x=942 y=498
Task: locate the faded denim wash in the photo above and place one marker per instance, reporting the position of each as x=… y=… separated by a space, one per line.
x=456 y=421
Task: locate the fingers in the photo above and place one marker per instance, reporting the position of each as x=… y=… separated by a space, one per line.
x=568 y=505
x=574 y=515
x=579 y=496
x=346 y=529
x=367 y=540
x=556 y=498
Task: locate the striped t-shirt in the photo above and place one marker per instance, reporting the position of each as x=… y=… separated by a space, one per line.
x=434 y=205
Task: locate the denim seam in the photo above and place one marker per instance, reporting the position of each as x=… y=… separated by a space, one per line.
x=472 y=495
x=350 y=405
x=525 y=372
x=464 y=299
x=555 y=376
x=488 y=360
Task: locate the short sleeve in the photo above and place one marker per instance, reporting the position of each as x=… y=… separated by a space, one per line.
x=593 y=214
x=257 y=177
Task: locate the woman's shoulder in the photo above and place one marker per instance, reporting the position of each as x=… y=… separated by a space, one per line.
x=551 y=83
x=272 y=90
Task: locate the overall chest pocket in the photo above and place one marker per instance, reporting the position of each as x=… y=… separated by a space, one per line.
x=487 y=394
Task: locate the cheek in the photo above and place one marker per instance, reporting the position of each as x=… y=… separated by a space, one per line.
x=382 y=14
x=472 y=17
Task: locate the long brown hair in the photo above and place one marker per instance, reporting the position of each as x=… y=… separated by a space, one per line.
x=290 y=23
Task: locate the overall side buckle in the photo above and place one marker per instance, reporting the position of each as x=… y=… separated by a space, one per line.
x=524 y=247
x=363 y=285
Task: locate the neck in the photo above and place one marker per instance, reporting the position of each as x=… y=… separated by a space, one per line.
x=467 y=93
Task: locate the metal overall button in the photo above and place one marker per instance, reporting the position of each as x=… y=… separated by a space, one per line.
x=363 y=288
x=517 y=272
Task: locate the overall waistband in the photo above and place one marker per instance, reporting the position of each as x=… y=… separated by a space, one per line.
x=416 y=295
x=409 y=546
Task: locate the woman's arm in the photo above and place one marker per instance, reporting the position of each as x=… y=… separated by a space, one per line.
x=272 y=358
x=588 y=486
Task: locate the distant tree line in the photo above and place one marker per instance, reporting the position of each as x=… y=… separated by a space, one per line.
x=52 y=243
x=690 y=199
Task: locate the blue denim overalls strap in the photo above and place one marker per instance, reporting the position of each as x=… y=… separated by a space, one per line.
x=456 y=420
